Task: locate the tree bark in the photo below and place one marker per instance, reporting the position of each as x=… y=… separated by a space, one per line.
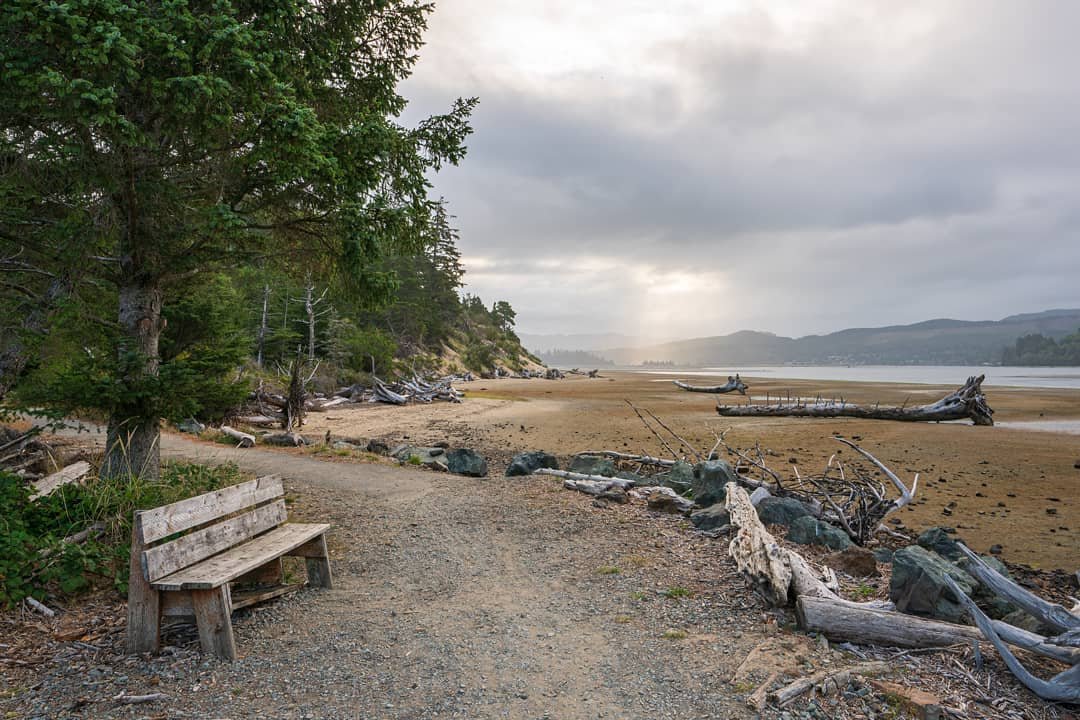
x=132 y=446
x=967 y=402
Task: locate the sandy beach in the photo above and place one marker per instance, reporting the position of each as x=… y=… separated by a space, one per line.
x=1010 y=485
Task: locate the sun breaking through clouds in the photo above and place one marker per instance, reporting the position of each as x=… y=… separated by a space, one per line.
x=696 y=168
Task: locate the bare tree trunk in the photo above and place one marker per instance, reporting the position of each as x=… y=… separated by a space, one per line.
x=262 y=326
x=966 y=402
x=133 y=442
x=309 y=308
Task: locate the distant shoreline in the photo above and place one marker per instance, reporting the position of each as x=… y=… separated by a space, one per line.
x=996 y=375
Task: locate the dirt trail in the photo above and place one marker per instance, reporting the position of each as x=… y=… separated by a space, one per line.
x=457 y=597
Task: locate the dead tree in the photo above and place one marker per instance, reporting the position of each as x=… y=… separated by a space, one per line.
x=733 y=384
x=966 y=402
x=261 y=339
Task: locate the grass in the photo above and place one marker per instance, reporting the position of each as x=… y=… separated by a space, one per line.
x=413 y=460
x=623 y=619
x=677 y=591
x=864 y=591
x=674 y=634
x=608 y=570
x=637 y=595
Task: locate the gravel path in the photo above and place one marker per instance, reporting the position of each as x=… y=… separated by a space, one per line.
x=454 y=598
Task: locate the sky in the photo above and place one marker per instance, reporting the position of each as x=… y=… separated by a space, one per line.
x=683 y=169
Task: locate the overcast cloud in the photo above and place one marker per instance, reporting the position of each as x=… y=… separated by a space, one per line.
x=695 y=168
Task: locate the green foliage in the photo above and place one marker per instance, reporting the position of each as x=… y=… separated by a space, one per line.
x=1037 y=349
x=677 y=592
x=33 y=558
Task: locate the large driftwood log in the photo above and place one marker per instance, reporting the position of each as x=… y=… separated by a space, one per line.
x=629 y=457
x=966 y=402
x=733 y=384
x=867 y=625
x=775 y=570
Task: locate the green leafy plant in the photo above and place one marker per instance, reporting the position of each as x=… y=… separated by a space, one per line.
x=676 y=591
x=35 y=560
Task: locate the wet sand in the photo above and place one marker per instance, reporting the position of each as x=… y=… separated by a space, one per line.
x=1012 y=485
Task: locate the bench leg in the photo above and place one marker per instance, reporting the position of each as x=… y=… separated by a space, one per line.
x=318 y=564
x=144 y=607
x=213 y=615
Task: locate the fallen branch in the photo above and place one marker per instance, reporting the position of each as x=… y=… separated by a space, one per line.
x=826 y=682
x=39 y=607
x=1064 y=687
x=72 y=473
x=139 y=699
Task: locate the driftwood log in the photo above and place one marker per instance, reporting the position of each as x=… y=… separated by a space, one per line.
x=243 y=439
x=780 y=573
x=733 y=384
x=965 y=403
x=72 y=473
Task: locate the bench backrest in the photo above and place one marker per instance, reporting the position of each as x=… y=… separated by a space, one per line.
x=211 y=523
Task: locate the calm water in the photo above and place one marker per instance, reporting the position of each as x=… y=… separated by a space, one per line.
x=1055 y=377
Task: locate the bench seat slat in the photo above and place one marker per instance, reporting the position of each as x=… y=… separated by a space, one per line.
x=231 y=564
x=209 y=541
x=183 y=515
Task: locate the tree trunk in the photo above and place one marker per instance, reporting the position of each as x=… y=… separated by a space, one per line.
x=967 y=402
x=133 y=446
x=262 y=325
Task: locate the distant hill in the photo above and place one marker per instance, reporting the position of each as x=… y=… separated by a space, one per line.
x=573 y=358
x=538 y=343
x=933 y=342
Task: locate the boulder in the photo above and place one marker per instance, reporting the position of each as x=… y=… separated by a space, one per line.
x=883 y=554
x=918 y=586
x=782 y=511
x=808 y=530
x=937 y=540
x=659 y=502
x=190 y=426
x=712 y=517
x=426 y=456
x=466 y=462
x=592 y=465
x=527 y=463
x=855 y=561
x=710 y=479
x=678 y=477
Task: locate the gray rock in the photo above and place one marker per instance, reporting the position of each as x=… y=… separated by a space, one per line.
x=710 y=479
x=465 y=462
x=527 y=463
x=378 y=447
x=592 y=465
x=883 y=554
x=918 y=586
x=937 y=540
x=782 y=511
x=191 y=426
x=712 y=517
x=426 y=456
x=342 y=445
x=678 y=477
x=808 y=530
x=631 y=476
x=658 y=502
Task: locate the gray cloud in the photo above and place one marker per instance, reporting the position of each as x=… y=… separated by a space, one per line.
x=878 y=165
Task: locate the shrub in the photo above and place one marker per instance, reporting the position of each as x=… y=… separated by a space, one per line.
x=34 y=560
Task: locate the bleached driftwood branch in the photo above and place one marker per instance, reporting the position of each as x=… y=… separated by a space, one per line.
x=733 y=384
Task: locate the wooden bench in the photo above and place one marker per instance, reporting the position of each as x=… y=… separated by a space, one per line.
x=186 y=556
